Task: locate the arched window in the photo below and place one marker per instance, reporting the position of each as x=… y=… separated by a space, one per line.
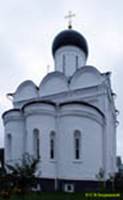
x=77 y=144
x=9 y=146
x=36 y=143
x=52 y=145
x=64 y=63
x=77 y=62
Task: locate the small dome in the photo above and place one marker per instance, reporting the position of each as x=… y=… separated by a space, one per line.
x=70 y=37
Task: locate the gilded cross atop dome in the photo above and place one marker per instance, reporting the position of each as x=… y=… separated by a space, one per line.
x=69 y=17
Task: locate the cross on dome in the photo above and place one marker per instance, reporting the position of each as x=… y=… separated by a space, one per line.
x=69 y=17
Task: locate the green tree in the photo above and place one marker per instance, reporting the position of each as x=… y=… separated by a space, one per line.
x=20 y=177
x=24 y=173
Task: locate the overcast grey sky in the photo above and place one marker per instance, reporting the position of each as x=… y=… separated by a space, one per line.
x=27 y=29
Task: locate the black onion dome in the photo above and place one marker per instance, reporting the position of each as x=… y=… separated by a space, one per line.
x=69 y=37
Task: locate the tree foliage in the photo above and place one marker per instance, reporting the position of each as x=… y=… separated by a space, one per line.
x=26 y=168
x=19 y=177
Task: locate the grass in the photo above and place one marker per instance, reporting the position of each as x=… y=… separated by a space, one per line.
x=49 y=196
x=58 y=196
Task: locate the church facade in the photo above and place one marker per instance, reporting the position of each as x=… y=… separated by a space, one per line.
x=68 y=122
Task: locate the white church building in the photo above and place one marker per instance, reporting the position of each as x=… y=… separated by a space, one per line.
x=68 y=122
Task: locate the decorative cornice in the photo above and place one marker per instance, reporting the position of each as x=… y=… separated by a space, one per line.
x=85 y=104
x=12 y=118
x=9 y=111
x=86 y=114
x=39 y=112
x=36 y=111
x=37 y=102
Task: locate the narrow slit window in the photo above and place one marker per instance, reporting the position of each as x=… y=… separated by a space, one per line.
x=52 y=145
x=77 y=62
x=64 y=63
x=9 y=146
x=77 y=144
x=36 y=143
x=77 y=148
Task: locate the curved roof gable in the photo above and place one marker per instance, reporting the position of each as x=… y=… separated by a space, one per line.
x=86 y=76
x=26 y=90
x=53 y=83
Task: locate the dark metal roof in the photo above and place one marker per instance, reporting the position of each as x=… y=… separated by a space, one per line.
x=69 y=37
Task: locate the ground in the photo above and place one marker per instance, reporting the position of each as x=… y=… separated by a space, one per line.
x=63 y=196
